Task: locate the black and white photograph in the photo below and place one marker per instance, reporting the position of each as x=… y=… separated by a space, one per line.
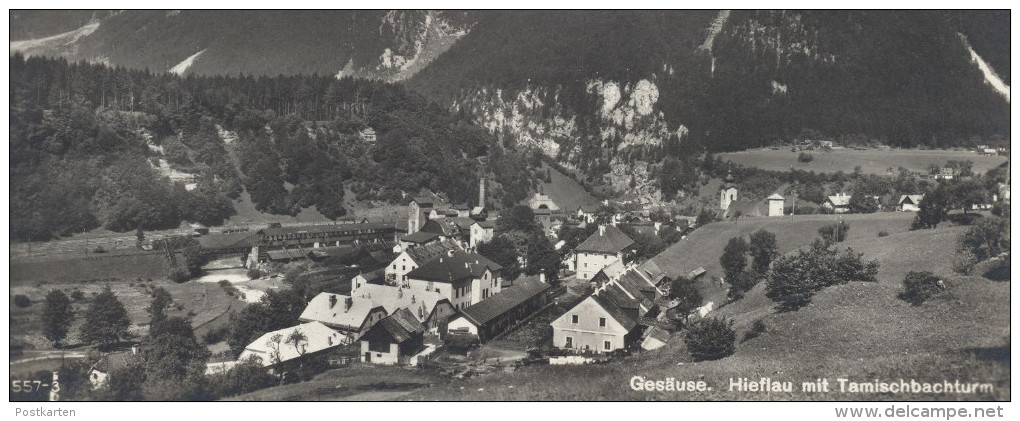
x=444 y=204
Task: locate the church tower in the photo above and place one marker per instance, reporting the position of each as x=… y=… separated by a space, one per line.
x=728 y=191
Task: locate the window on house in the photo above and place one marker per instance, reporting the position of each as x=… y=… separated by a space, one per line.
x=602 y=322
x=569 y=343
x=607 y=345
x=574 y=319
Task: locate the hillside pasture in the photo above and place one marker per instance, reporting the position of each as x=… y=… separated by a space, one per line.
x=68 y=269
x=207 y=305
x=871 y=161
x=857 y=331
x=703 y=247
x=566 y=192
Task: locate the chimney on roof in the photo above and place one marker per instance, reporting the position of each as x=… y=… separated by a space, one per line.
x=602 y=230
x=449 y=252
x=413 y=299
x=541 y=277
x=400 y=293
x=348 y=302
x=332 y=301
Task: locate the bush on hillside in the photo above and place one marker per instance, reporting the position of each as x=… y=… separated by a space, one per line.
x=793 y=280
x=834 y=233
x=918 y=287
x=805 y=157
x=22 y=301
x=757 y=329
x=710 y=339
x=883 y=233
x=179 y=276
x=254 y=273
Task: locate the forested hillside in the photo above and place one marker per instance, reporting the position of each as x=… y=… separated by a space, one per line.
x=124 y=149
x=611 y=93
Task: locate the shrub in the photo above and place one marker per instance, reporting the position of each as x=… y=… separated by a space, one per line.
x=756 y=330
x=216 y=335
x=77 y=295
x=254 y=273
x=883 y=233
x=793 y=280
x=22 y=301
x=834 y=233
x=99 y=249
x=741 y=283
x=710 y=339
x=179 y=276
x=920 y=286
x=805 y=157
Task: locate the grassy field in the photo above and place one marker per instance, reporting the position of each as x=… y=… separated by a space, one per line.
x=76 y=269
x=860 y=332
x=567 y=194
x=358 y=382
x=703 y=247
x=871 y=161
x=207 y=305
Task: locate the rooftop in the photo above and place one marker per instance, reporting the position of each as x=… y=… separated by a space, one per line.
x=455 y=266
x=606 y=240
x=318 y=337
x=522 y=290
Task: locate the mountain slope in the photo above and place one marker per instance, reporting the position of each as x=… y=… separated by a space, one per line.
x=374 y=44
x=611 y=93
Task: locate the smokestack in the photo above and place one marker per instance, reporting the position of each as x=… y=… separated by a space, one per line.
x=332 y=301
x=481 y=192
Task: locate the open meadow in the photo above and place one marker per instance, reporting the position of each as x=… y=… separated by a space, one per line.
x=871 y=161
x=703 y=247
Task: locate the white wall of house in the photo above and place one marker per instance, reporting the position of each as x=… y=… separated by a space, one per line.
x=469 y=293
x=909 y=207
x=463 y=323
x=375 y=357
x=592 y=330
x=588 y=263
x=775 y=208
x=398 y=268
x=479 y=235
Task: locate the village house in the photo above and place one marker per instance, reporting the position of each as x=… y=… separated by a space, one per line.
x=455 y=228
x=367 y=135
x=498 y=313
x=585 y=215
x=276 y=348
x=655 y=338
x=602 y=248
x=612 y=318
x=344 y=313
x=100 y=371
x=419 y=238
x=463 y=278
x=418 y=212
x=481 y=232
x=609 y=273
x=375 y=277
x=393 y=340
x=840 y=203
x=910 y=202
x=945 y=173
x=430 y=308
x=775 y=204
x=413 y=257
